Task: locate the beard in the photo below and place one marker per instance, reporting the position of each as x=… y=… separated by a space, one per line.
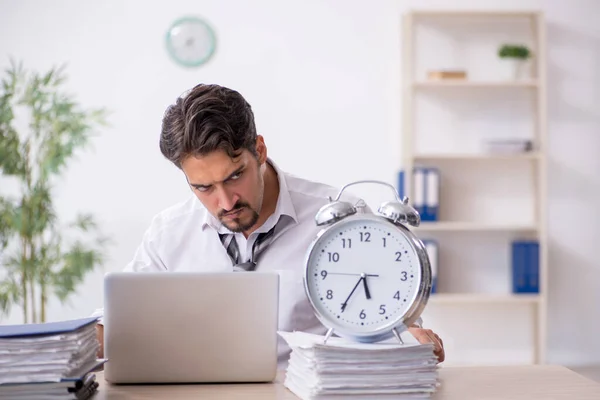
x=238 y=224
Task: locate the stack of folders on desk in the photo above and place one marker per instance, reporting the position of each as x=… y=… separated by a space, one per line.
x=341 y=369
x=52 y=360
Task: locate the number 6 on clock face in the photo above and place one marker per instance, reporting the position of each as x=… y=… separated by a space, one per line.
x=366 y=276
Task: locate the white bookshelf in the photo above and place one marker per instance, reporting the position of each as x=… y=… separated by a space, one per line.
x=525 y=207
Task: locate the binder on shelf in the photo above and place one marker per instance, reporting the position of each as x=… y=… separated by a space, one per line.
x=401 y=189
x=419 y=191
x=432 y=248
x=525 y=266
x=518 y=267
x=533 y=275
x=426 y=191
x=432 y=194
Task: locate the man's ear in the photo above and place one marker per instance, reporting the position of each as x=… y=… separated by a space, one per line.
x=261 y=149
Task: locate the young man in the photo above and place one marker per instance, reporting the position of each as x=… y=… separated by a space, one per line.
x=246 y=213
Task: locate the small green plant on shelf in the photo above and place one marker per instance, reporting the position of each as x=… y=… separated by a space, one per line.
x=514 y=51
x=514 y=61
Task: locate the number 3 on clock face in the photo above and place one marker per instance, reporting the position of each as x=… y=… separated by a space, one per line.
x=362 y=276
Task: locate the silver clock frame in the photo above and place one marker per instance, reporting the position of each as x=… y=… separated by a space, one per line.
x=399 y=213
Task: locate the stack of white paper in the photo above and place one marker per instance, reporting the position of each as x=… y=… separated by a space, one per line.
x=49 y=361
x=343 y=369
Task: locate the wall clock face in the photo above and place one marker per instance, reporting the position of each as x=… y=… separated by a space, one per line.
x=190 y=41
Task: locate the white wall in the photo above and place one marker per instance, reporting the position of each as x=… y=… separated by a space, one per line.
x=324 y=80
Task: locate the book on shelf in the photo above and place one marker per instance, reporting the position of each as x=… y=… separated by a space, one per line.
x=53 y=360
x=525 y=266
x=446 y=74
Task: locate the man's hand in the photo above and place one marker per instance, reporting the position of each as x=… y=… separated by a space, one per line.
x=429 y=336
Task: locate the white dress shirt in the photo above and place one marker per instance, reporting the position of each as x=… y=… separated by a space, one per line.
x=185 y=238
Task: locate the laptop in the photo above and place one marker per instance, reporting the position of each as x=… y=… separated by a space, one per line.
x=186 y=327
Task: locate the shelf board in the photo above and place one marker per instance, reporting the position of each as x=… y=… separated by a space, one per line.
x=476 y=84
x=480 y=298
x=475 y=13
x=477 y=157
x=472 y=227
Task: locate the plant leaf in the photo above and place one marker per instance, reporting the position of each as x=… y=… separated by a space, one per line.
x=77 y=262
x=10 y=293
x=11 y=160
x=7 y=222
x=85 y=222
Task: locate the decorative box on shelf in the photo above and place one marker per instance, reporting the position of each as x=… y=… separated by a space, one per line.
x=442 y=75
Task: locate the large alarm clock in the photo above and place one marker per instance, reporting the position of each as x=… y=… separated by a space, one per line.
x=367 y=275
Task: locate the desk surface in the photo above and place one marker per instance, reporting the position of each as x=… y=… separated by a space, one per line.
x=547 y=382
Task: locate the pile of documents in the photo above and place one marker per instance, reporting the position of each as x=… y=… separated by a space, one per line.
x=342 y=369
x=49 y=361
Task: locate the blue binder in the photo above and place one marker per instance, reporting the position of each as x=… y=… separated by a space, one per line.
x=48 y=328
x=419 y=191
x=400 y=187
x=525 y=266
x=432 y=194
x=426 y=191
x=533 y=272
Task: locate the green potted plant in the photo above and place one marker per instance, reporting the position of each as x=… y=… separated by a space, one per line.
x=42 y=128
x=514 y=58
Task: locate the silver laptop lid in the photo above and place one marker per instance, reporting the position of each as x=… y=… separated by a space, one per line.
x=190 y=327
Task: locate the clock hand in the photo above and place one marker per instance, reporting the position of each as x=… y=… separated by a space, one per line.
x=345 y=303
x=367 y=293
x=346 y=273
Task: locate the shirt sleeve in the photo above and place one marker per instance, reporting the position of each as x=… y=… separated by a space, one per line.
x=145 y=259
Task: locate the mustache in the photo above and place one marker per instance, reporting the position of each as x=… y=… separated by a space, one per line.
x=239 y=205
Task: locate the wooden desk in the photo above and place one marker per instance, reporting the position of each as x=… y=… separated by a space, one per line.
x=546 y=382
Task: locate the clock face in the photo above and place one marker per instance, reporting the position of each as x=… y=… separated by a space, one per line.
x=363 y=275
x=190 y=41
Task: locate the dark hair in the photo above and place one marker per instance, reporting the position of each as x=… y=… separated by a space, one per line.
x=207 y=118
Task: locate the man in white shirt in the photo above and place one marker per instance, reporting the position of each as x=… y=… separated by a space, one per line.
x=246 y=213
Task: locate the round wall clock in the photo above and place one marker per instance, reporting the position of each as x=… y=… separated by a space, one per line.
x=190 y=41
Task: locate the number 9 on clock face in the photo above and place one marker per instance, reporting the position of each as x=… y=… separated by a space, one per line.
x=363 y=276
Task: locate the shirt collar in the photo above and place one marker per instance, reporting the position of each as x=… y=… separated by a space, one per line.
x=284 y=207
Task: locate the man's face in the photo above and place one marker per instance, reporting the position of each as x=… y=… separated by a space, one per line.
x=231 y=189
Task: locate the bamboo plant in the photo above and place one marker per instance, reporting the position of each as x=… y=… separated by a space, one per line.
x=42 y=128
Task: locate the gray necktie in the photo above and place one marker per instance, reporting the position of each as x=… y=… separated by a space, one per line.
x=261 y=243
